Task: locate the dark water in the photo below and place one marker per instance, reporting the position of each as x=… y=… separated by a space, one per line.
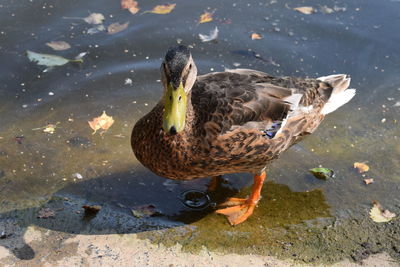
x=361 y=39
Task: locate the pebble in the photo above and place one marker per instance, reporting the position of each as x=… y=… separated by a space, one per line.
x=77 y=175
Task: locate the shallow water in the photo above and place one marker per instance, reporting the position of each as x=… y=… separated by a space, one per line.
x=36 y=166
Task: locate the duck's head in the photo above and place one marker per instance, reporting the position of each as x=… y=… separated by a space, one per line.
x=178 y=74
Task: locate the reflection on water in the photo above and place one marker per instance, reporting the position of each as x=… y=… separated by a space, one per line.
x=36 y=166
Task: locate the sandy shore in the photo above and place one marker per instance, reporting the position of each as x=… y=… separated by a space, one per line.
x=52 y=248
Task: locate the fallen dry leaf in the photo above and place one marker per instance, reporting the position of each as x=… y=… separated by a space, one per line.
x=50 y=128
x=131 y=5
x=161 y=9
x=45 y=213
x=103 y=122
x=145 y=211
x=326 y=9
x=206 y=17
x=212 y=36
x=361 y=167
x=96 y=29
x=256 y=36
x=116 y=27
x=128 y=81
x=379 y=215
x=305 y=9
x=94 y=18
x=368 y=181
x=59 y=45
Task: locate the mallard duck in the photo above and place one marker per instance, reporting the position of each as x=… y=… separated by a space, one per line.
x=229 y=122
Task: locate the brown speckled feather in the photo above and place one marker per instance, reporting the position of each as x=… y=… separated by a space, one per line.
x=228 y=114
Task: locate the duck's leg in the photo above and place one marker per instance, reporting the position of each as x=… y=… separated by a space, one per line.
x=239 y=209
x=215 y=183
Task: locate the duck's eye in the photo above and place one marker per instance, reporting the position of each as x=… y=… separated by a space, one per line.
x=190 y=66
x=170 y=97
x=179 y=98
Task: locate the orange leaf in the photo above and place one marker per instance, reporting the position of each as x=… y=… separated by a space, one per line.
x=206 y=17
x=131 y=5
x=361 y=167
x=103 y=122
x=256 y=36
x=161 y=9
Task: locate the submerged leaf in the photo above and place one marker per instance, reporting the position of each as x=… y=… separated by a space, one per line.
x=206 y=17
x=379 y=215
x=59 y=45
x=45 y=213
x=116 y=27
x=131 y=5
x=212 y=36
x=256 y=36
x=46 y=59
x=94 y=18
x=361 y=167
x=103 y=122
x=49 y=60
x=305 y=9
x=161 y=9
x=96 y=29
x=80 y=56
x=145 y=211
x=322 y=173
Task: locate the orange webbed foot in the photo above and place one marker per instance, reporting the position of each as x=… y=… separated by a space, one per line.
x=238 y=210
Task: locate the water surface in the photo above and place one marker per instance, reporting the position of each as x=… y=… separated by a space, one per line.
x=358 y=39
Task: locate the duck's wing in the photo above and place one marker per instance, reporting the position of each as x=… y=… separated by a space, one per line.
x=253 y=100
x=247 y=99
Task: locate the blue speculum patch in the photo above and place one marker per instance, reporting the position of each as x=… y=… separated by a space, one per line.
x=271 y=132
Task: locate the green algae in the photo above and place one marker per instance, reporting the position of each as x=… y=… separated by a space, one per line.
x=286 y=224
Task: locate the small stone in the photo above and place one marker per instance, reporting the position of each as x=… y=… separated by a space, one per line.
x=79 y=141
x=77 y=175
x=3 y=235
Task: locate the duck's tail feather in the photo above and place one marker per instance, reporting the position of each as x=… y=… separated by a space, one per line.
x=340 y=94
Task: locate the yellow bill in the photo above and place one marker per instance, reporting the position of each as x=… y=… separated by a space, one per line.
x=174 y=109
